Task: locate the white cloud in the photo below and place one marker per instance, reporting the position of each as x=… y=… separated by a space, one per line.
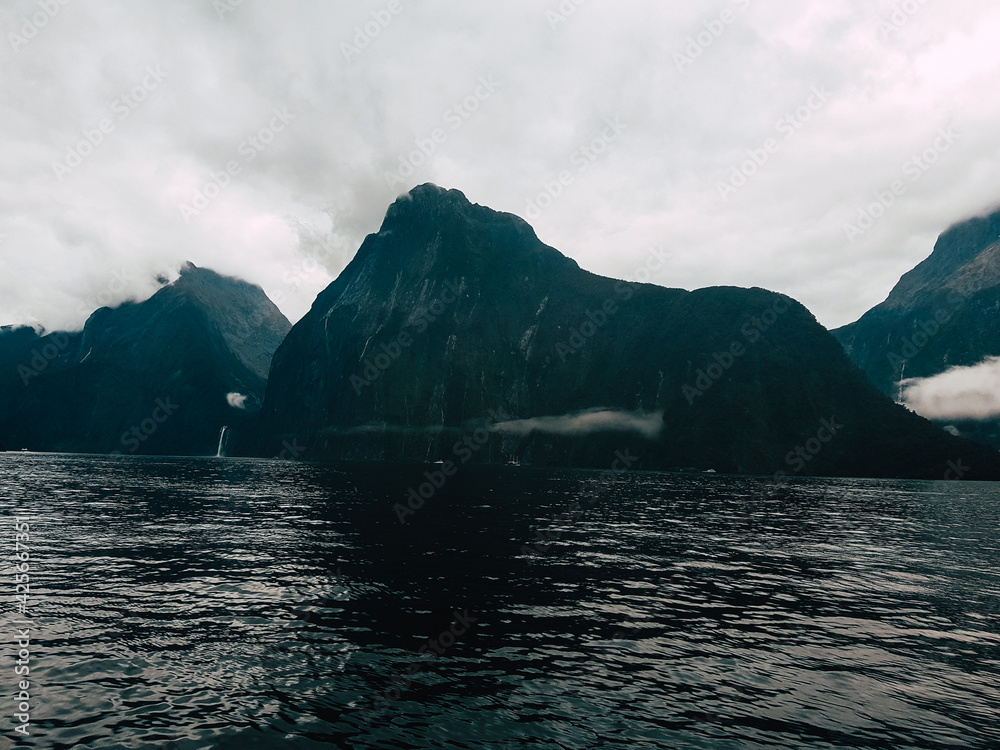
x=236 y=400
x=958 y=393
x=648 y=425
x=316 y=188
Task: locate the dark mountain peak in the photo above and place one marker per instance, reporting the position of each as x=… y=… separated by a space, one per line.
x=241 y=312
x=433 y=234
x=939 y=315
x=441 y=210
x=430 y=196
x=211 y=288
x=201 y=345
x=955 y=264
x=192 y=276
x=427 y=205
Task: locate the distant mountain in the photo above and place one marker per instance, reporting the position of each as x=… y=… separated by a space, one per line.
x=454 y=317
x=156 y=377
x=944 y=313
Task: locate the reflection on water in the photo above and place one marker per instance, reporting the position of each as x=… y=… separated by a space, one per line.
x=232 y=603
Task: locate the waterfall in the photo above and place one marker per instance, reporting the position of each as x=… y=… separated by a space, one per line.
x=222 y=437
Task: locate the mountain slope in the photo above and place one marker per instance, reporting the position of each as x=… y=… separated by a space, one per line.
x=941 y=314
x=150 y=377
x=454 y=316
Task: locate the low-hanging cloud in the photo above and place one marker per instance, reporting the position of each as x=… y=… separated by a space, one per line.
x=958 y=393
x=236 y=400
x=579 y=424
x=646 y=424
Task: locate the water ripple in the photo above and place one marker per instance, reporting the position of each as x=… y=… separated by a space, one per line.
x=232 y=603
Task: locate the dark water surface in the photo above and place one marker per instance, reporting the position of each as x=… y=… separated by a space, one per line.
x=228 y=603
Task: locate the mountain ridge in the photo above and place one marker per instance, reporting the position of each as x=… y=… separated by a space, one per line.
x=393 y=363
x=167 y=363
x=940 y=314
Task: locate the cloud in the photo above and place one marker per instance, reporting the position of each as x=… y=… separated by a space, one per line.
x=587 y=422
x=315 y=188
x=580 y=424
x=958 y=393
x=236 y=400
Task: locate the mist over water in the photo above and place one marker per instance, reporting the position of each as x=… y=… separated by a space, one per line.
x=235 y=603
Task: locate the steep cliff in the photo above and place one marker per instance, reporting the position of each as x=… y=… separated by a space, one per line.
x=161 y=376
x=943 y=313
x=456 y=334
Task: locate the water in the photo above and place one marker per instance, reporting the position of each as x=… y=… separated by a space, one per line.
x=227 y=603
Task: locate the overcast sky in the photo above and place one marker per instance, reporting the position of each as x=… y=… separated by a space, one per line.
x=633 y=114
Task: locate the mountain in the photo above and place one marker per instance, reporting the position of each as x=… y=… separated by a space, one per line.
x=455 y=334
x=944 y=313
x=161 y=376
x=941 y=314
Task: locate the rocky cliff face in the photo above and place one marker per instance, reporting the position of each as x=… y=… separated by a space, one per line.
x=941 y=314
x=944 y=313
x=456 y=334
x=157 y=377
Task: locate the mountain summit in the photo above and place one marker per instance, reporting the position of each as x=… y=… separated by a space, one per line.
x=161 y=376
x=456 y=334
